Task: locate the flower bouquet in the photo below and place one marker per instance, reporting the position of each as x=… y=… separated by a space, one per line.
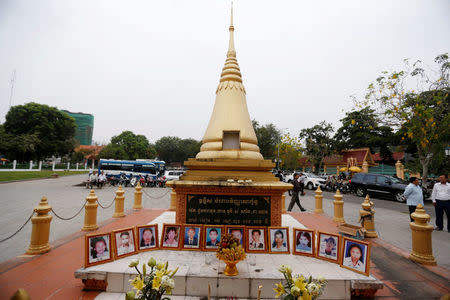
x=231 y=252
x=298 y=287
x=153 y=284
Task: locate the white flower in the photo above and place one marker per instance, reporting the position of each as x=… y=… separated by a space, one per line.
x=321 y=279
x=285 y=269
x=313 y=289
x=167 y=282
x=295 y=291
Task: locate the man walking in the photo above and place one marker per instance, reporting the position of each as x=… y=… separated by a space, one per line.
x=413 y=194
x=441 y=201
x=302 y=184
x=295 y=191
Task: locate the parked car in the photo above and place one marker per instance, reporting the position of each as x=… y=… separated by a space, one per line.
x=312 y=181
x=173 y=174
x=363 y=183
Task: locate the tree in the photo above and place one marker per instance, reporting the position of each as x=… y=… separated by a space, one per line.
x=319 y=142
x=111 y=151
x=39 y=131
x=168 y=149
x=422 y=115
x=128 y=145
x=361 y=128
x=189 y=148
x=268 y=139
x=290 y=152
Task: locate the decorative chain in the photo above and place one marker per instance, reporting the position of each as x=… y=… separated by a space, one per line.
x=108 y=206
x=168 y=190
x=65 y=219
x=21 y=227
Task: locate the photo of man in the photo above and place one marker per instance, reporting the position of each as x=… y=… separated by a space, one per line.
x=328 y=246
x=191 y=237
x=256 y=242
x=213 y=237
x=237 y=233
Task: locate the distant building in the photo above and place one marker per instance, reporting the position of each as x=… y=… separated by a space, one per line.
x=85 y=127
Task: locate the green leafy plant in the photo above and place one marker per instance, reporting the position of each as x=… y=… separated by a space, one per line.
x=153 y=284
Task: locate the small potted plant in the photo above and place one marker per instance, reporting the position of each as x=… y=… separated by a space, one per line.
x=152 y=284
x=231 y=252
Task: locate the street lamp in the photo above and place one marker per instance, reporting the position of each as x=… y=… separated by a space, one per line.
x=447 y=150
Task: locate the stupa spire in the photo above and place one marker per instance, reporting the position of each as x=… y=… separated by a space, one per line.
x=230 y=132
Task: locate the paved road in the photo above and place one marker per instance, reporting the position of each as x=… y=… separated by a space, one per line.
x=391 y=221
x=18 y=199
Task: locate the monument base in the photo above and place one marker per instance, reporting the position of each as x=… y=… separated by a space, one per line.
x=198 y=269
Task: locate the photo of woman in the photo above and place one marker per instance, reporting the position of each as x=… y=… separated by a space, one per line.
x=304 y=241
x=279 y=239
x=171 y=236
x=356 y=256
x=148 y=237
x=98 y=249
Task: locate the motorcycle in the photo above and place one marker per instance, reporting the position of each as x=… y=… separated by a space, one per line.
x=161 y=182
x=124 y=180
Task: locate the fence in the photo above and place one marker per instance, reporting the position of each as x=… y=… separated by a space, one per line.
x=33 y=166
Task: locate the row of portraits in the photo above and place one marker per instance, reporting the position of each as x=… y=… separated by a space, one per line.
x=349 y=253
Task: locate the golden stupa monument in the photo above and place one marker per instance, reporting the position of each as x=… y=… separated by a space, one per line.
x=229 y=182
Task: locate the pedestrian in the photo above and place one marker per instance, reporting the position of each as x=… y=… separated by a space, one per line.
x=295 y=192
x=279 y=175
x=441 y=201
x=413 y=194
x=302 y=184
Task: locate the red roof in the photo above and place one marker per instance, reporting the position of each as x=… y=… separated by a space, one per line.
x=395 y=156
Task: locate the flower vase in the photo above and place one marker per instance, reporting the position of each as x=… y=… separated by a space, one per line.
x=230 y=269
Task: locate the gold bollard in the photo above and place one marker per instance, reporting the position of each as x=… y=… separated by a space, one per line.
x=118 y=212
x=138 y=197
x=90 y=212
x=173 y=200
x=283 y=203
x=319 y=200
x=367 y=218
x=338 y=208
x=422 y=250
x=40 y=231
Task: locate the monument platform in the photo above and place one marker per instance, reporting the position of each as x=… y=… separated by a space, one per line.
x=197 y=269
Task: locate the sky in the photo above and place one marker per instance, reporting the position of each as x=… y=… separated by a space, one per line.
x=152 y=67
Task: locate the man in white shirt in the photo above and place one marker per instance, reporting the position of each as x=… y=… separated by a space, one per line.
x=441 y=202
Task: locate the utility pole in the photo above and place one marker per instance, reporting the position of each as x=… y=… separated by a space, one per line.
x=13 y=79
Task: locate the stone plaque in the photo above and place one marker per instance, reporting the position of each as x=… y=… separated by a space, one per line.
x=228 y=210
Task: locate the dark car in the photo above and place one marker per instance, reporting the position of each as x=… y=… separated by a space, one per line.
x=363 y=183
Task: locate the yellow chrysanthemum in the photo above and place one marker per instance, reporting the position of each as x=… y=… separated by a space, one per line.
x=279 y=290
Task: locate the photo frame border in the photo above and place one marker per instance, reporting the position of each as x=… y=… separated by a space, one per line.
x=155 y=226
x=200 y=235
x=294 y=242
x=116 y=255
x=239 y=227
x=366 y=259
x=161 y=245
x=205 y=231
x=338 y=247
x=87 y=247
x=288 y=251
x=265 y=237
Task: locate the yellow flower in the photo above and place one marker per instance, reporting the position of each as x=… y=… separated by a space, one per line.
x=138 y=283
x=353 y=122
x=279 y=290
x=300 y=283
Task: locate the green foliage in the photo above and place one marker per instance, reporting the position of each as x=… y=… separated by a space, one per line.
x=361 y=128
x=290 y=152
x=24 y=175
x=268 y=138
x=318 y=141
x=36 y=131
x=174 y=149
x=134 y=146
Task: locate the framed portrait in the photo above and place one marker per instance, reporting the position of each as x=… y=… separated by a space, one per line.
x=124 y=242
x=212 y=235
x=98 y=249
x=355 y=255
x=328 y=246
x=256 y=241
x=171 y=237
x=238 y=232
x=192 y=235
x=304 y=242
x=278 y=239
x=147 y=237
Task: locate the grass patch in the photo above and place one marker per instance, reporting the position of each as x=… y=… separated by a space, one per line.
x=23 y=175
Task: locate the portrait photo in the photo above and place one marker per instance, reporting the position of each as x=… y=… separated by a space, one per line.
x=356 y=255
x=304 y=242
x=212 y=237
x=328 y=247
x=124 y=242
x=256 y=239
x=171 y=235
x=279 y=239
x=98 y=249
x=238 y=232
x=147 y=237
x=191 y=237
